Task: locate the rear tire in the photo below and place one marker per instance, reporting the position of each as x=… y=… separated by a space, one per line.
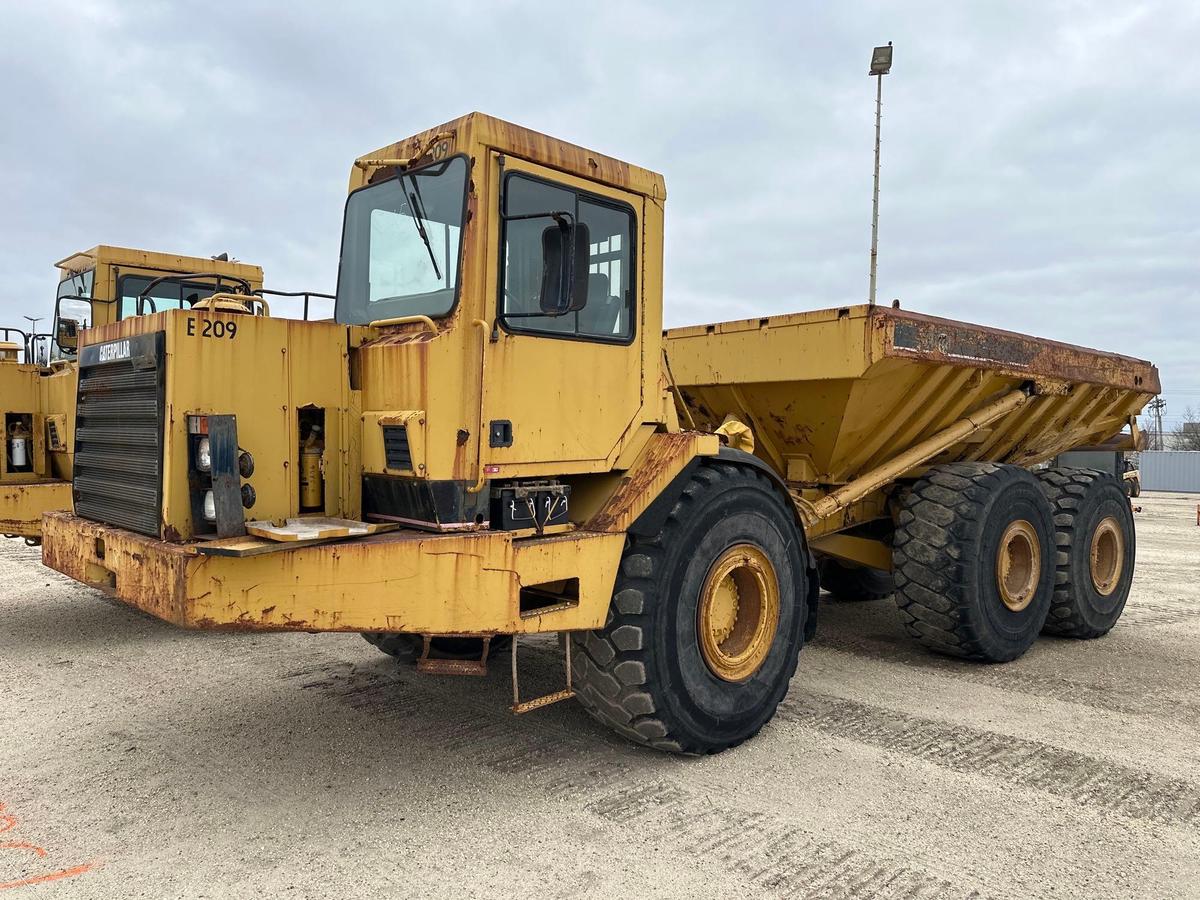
x=849 y=583
x=1135 y=487
x=974 y=560
x=1096 y=544
x=706 y=622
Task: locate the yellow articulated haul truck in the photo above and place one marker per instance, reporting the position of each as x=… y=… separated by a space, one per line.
x=37 y=397
x=496 y=438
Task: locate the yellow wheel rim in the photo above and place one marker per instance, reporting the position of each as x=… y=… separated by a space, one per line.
x=738 y=613
x=1018 y=565
x=1107 y=556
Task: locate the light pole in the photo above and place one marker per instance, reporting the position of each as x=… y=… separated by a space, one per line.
x=881 y=64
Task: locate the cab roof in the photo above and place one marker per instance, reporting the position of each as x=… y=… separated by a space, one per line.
x=478 y=130
x=104 y=254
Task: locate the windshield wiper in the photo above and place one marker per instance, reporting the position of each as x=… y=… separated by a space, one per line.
x=417 y=206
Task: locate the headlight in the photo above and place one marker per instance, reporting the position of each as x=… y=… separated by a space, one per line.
x=203 y=455
x=210 y=506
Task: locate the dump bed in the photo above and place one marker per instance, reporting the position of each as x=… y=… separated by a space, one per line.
x=833 y=394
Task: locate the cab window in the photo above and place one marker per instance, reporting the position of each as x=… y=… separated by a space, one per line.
x=607 y=314
x=164 y=296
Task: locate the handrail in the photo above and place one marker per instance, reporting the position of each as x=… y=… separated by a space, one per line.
x=219 y=277
x=405 y=320
x=483 y=344
x=307 y=295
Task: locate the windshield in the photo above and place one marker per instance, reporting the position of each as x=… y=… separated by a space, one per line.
x=400 y=245
x=167 y=294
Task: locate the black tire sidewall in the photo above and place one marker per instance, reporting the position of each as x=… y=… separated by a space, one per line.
x=849 y=582
x=1010 y=632
x=705 y=704
x=1098 y=612
x=404 y=647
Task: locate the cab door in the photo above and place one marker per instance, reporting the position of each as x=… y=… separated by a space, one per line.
x=561 y=391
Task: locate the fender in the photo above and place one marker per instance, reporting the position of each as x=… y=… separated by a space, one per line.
x=653 y=518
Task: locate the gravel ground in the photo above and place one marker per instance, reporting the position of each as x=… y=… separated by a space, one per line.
x=139 y=760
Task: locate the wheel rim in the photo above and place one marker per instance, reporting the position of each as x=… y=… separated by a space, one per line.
x=738 y=613
x=1018 y=565
x=1107 y=557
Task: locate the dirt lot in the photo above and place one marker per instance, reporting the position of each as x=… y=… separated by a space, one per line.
x=144 y=761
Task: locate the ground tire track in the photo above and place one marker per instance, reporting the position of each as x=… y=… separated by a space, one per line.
x=1105 y=698
x=771 y=852
x=1086 y=780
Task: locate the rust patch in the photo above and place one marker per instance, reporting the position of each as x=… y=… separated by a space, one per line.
x=963 y=344
x=663 y=459
x=148 y=574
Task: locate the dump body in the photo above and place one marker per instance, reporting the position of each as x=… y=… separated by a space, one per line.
x=835 y=394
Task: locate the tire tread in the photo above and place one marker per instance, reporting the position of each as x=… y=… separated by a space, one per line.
x=937 y=520
x=610 y=667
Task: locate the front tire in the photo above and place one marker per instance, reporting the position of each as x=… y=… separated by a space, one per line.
x=1096 y=550
x=706 y=622
x=974 y=560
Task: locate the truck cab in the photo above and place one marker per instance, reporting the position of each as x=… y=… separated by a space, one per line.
x=38 y=376
x=515 y=285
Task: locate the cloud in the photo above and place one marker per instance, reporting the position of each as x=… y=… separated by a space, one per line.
x=1039 y=158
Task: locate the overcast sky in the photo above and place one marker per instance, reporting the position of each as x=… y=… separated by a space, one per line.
x=1040 y=159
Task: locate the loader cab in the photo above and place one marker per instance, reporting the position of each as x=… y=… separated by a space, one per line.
x=538 y=264
x=106 y=284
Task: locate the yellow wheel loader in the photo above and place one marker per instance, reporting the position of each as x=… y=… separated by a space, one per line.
x=496 y=438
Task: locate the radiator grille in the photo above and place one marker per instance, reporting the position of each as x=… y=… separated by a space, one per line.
x=119 y=433
x=395 y=447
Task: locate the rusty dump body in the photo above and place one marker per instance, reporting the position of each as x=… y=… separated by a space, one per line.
x=833 y=395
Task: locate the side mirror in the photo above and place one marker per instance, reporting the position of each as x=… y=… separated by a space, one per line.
x=565 y=253
x=67 y=334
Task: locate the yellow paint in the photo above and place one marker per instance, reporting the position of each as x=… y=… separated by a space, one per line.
x=843 y=402
x=738 y=613
x=22 y=505
x=873 y=553
x=49 y=393
x=826 y=398
x=400 y=581
x=374 y=459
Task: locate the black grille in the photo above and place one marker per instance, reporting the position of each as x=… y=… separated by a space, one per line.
x=119 y=433
x=395 y=447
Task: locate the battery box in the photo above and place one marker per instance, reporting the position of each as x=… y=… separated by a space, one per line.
x=530 y=505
